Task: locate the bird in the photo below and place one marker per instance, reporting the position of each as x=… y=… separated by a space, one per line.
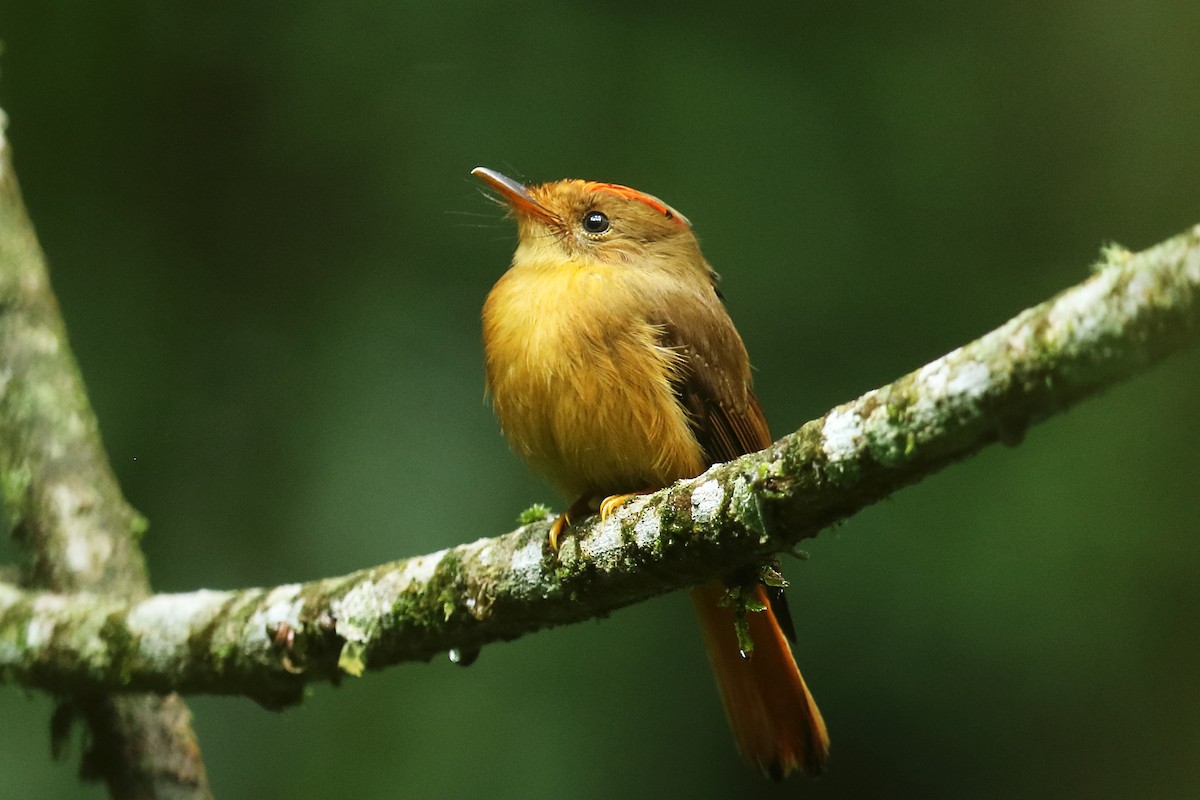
x=614 y=370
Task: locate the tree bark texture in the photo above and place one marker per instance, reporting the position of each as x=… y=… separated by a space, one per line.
x=63 y=505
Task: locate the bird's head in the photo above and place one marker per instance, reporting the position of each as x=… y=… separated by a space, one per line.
x=581 y=221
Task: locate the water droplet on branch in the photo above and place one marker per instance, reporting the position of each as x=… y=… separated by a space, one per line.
x=464 y=656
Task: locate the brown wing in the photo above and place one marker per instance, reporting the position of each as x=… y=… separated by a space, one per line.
x=715 y=388
x=714 y=379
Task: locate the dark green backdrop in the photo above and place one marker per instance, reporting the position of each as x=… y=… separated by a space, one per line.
x=271 y=259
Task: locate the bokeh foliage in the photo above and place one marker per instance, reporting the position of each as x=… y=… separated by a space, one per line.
x=271 y=259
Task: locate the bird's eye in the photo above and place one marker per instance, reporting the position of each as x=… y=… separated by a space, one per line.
x=595 y=222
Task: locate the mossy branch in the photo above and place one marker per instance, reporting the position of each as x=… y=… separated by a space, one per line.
x=62 y=504
x=268 y=643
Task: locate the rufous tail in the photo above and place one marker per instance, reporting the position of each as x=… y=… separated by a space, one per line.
x=774 y=719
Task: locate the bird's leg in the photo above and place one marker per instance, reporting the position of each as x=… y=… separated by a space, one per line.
x=580 y=507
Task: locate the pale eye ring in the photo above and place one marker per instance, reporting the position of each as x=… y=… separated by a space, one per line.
x=595 y=222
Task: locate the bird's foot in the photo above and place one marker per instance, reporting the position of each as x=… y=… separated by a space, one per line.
x=610 y=504
x=579 y=507
x=561 y=524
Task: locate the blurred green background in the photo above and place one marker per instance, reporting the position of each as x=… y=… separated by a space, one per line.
x=271 y=258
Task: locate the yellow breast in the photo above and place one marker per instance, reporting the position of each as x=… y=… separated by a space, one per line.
x=579 y=381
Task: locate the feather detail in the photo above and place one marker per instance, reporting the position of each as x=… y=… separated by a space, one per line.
x=774 y=719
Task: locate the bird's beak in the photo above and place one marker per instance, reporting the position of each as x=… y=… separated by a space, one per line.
x=513 y=193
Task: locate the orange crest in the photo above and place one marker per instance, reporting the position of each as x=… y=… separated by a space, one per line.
x=633 y=194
